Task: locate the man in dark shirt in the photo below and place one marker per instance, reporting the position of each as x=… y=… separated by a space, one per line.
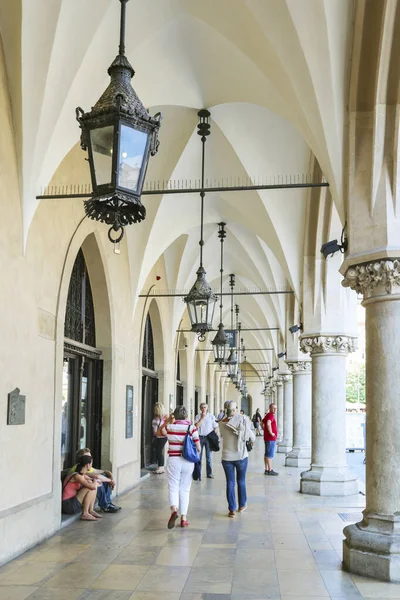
x=270 y=436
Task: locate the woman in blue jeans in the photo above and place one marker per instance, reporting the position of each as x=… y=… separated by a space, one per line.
x=235 y=430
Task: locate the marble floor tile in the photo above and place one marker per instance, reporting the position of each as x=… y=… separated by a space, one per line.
x=71 y=576
x=177 y=557
x=16 y=592
x=164 y=579
x=56 y=594
x=258 y=541
x=62 y=554
x=282 y=541
x=369 y=588
x=139 y=595
x=293 y=559
x=120 y=577
x=215 y=558
x=137 y=555
x=246 y=558
x=105 y=595
x=255 y=582
x=301 y=583
x=209 y=580
x=31 y=574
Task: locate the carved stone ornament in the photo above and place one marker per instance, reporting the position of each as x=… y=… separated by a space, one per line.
x=334 y=344
x=301 y=366
x=378 y=278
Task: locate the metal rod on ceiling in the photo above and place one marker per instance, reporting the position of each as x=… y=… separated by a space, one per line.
x=257 y=293
x=247 y=349
x=197 y=190
x=243 y=329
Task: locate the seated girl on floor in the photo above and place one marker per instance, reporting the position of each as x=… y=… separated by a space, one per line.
x=79 y=492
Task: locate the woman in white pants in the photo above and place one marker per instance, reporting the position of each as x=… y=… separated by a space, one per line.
x=179 y=470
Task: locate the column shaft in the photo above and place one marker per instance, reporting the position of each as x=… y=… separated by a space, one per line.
x=329 y=474
x=372 y=546
x=300 y=456
x=286 y=444
x=279 y=404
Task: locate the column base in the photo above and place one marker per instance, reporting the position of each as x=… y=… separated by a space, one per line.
x=298 y=457
x=328 y=481
x=372 y=547
x=285 y=446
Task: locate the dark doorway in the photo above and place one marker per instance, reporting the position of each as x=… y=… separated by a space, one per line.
x=179 y=386
x=149 y=395
x=196 y=402
x=81 y=414
x=245 y=406
x=149 y=398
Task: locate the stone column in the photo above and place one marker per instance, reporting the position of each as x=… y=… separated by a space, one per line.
x=329 y=474
x=286 y=444
x=300 y=456
x=372 y=547
x=279 y=403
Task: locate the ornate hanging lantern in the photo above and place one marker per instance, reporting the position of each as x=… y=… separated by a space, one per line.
x=231 y=362
x=220 y=342
x=120 y=135
x=201 y=300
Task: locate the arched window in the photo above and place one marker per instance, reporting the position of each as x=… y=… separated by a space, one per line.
x=148 y=346
x=79 y=317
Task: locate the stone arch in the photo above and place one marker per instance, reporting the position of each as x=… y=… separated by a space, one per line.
x=94 y=259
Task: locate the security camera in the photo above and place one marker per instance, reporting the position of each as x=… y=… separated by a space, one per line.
x=295 y=328
x=330 y=248
x=281 y=354
x=274 y=368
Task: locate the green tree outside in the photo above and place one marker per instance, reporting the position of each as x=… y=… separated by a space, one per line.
x=355 y=385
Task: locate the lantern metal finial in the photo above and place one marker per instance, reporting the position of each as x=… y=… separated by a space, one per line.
x=120 y=135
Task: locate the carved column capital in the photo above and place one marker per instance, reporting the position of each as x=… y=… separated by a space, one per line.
x=300 y=366
x=286 y=378
x=279 y=382
x=377 y=278
x=328 y=344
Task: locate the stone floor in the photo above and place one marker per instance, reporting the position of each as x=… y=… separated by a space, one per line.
x=286 y=546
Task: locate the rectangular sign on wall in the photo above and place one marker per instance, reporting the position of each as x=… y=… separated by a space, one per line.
x=129 y=412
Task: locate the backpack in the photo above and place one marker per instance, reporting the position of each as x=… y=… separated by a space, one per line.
x=189 y=450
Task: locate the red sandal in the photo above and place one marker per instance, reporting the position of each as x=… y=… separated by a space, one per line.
x=184 y=523
x=172 y=519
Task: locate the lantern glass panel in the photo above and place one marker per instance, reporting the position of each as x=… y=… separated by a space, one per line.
x=132 y=150
x=102 y=140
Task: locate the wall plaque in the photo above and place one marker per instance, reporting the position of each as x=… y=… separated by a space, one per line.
x=16 y=408
x=129 y=412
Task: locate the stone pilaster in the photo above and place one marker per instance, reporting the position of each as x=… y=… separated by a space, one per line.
x=372 y=547
x=286 y=444
x=300 y=456
x=329 y=474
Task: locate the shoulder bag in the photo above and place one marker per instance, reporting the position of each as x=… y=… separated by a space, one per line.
x=189 y=450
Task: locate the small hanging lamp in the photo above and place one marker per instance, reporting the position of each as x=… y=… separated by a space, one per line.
x=232 y=362
x=201 y=300
x=221 y=343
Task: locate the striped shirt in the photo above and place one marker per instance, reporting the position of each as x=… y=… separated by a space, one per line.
x=176 y=435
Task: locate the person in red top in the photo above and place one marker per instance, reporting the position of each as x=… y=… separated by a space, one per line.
x=270 y=436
